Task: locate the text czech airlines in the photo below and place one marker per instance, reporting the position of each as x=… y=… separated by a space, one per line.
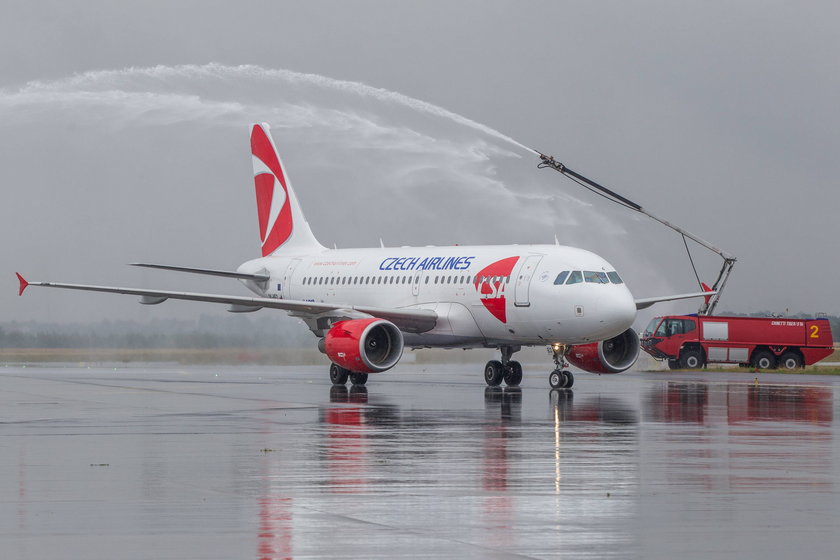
x=426 y=263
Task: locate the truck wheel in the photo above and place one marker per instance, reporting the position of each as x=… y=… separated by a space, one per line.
x=673 y=364
x=692 y=359
x=764 y=359
x=790 y=360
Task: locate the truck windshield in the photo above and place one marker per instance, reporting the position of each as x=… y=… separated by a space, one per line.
x=671 y=327
x=651 y=328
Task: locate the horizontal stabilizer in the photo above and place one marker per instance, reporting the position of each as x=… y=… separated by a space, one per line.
x=647 y=302
x=207 y=271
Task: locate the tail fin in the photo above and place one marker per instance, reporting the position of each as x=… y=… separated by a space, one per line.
x=281 y=220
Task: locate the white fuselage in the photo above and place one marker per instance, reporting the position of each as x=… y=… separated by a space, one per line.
x=483 y=295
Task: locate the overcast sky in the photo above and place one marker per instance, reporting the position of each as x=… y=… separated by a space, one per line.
x=124 y=137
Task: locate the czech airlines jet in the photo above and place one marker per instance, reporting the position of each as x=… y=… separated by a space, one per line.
x=366 y=305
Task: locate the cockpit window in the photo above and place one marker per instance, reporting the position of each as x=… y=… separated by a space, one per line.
x=595 y=277
x=575 y=277
x=615 y=278
x=561 y=277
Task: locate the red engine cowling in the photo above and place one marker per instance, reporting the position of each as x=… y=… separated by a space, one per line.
x=608 y=356
x=364 y=345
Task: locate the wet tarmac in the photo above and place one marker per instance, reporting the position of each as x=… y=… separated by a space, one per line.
x=259 y=462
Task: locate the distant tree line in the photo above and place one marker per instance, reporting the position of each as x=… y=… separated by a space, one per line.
x=276 y=331
x=268 y=331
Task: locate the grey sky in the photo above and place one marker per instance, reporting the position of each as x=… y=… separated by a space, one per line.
x=719 y=116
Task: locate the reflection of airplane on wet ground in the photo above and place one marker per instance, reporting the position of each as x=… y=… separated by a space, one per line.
x=364 y=305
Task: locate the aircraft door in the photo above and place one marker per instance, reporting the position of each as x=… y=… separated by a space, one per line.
x=284 y=289
x=523 y=280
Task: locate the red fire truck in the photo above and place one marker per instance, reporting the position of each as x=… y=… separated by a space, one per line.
x=691 y=341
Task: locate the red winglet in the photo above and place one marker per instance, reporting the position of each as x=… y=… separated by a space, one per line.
x=706 y=288
x=23 y=283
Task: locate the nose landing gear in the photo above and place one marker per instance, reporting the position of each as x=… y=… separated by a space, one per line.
x=506 y=370
x=560 y=378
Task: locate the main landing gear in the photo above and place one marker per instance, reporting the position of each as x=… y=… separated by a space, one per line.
x=339 y=376
x=560 y=378
x=510 y=371
x=506 y=370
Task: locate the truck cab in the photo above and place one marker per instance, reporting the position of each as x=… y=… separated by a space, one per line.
x=665 y=337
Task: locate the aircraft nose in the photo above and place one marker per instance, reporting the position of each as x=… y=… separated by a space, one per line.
x=623 y=310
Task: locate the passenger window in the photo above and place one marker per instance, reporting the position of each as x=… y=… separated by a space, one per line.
x=561 y=278
x=615 y=278
x=576 y=277
x=688 y=325
x=468 y=279
x=427 y=279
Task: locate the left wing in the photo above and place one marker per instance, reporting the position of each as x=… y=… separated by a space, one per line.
x=406 y=319
x=647 y=302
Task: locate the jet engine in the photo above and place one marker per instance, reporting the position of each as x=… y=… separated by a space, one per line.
x=364 y=345
x=608 y=356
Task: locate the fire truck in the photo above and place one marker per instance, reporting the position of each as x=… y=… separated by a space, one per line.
x=692 y=341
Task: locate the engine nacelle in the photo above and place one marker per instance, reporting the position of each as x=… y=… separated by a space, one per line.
x=608 y=356
x=364 y=345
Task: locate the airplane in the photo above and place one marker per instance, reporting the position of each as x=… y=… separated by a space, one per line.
x=366 y=305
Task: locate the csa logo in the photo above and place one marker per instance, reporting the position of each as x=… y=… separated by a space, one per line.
x=273 y=208
x=491 y=282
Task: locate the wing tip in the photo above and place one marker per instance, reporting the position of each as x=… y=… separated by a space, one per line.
x=23 y=283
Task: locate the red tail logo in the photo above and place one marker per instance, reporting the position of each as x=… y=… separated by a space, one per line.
x=491 y=283
x=273 y=207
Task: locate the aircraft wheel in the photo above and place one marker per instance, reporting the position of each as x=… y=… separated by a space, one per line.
x=493 y=373
x=673 y=364
x=513 y=374
x=764 y=359
x=357 y=378
x=338 y=375
x=570 y=379
x=790 y=360
x=557 y=379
